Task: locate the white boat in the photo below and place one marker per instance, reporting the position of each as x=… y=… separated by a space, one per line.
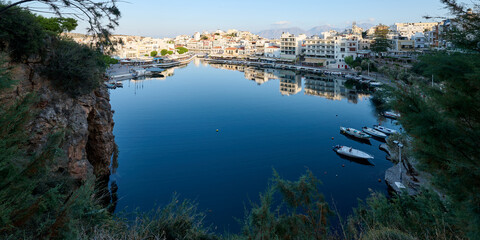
x=351 y=152
x=374 y=132
x=385 y=130
x=355 y=133
x=393 y=115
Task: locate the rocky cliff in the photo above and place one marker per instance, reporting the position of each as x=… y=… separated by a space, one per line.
x=87 y=121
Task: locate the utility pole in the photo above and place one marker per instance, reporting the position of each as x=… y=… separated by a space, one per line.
x=368 y=67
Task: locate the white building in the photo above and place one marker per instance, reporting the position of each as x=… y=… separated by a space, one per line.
x=291 y=45
x=272 y=51
x=196 y=36
x=420 y=41
x=409 y=29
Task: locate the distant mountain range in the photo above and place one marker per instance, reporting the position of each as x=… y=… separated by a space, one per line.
x=277 y=32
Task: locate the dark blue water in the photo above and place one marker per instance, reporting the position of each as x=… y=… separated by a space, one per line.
x=166 y=133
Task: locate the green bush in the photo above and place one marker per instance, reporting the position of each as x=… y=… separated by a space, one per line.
x=302 y=212
x=109 y=60
x=21 y=34
x=182 y=50
x=424 y=216
x=73 y=68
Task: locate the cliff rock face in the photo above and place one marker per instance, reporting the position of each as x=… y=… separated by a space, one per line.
x=87 y=121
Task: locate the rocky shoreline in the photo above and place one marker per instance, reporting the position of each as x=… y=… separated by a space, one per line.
x=86 y=120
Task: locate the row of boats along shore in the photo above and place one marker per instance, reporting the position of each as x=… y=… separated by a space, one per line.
x=378 y=132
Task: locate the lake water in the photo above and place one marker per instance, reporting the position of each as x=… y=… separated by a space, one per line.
x=166 y=132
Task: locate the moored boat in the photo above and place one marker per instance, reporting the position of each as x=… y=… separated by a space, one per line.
x=393 y=115
x=385 y=130
x=355 y=133
x=374 y=132
x=351 y=152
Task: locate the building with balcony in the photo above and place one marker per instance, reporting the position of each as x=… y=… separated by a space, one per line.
x=291 y=45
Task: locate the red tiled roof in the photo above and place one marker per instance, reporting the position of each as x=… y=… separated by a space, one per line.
x=273 y=47
x=231 y=48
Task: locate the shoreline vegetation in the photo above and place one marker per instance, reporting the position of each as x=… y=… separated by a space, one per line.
x=441 y=120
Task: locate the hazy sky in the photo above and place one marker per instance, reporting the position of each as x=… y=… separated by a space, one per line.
x=174 y=17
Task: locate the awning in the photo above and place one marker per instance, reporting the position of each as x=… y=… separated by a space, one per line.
x=315 y=60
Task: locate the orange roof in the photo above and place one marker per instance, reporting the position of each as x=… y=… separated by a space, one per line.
x=217 y=47
x=231 y=48
x=273 y=47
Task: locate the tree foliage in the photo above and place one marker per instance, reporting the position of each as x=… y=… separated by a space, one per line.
x=21 y=34
x=380 y=42
x=302 y=212
x=102 y=16
x=182 y=50
x=153 y=53
x=73 y=68
x=402 y=217
x=164 y=52
x=56 y=26
x=464 y=30
x=444 y=121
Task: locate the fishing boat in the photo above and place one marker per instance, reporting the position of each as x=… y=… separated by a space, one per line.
x=393 y=115
x=374 y=132
x=385 y=130
x=351 y=152
x=355 y=133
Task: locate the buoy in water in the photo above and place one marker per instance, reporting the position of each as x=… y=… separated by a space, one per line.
x=332 y=138
x=343 y=165
x=336 y=175
x=379 y=180
x=325 y=172
x=217 y=130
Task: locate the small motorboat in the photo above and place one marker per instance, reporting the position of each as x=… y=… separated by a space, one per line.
x=374 y=132
x=110 y=85
x=385 y=130
x=355 y=133
x=119 y=84
x=392 y=115
x=351 y=152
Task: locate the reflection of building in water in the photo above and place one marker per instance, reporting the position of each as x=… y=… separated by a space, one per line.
x=197 y=62
x=329 y=87
x=229 y=67
x=290 y=82
x=260 y=76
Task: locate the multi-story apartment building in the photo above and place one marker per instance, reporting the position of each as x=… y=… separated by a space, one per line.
x=291 y=45
x=409 y=29
x=345 y=46
x=320 y=51
x=330 y=51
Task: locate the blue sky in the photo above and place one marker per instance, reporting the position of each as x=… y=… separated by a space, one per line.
x=170 y=18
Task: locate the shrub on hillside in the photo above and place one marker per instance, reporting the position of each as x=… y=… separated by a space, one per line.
x=73 y=68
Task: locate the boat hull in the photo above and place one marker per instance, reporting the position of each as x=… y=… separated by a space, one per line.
x=351 y=152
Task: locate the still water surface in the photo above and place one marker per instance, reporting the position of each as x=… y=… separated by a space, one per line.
x=166 y=133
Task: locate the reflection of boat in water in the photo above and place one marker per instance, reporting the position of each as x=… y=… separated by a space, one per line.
x=154 y=72
x=355 y=133
x=374 y=132
x=385 y=130
x=351 y=152
x=365 y=162
x=359 y=140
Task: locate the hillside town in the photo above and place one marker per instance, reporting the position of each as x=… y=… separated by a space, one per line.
x=328 y=49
